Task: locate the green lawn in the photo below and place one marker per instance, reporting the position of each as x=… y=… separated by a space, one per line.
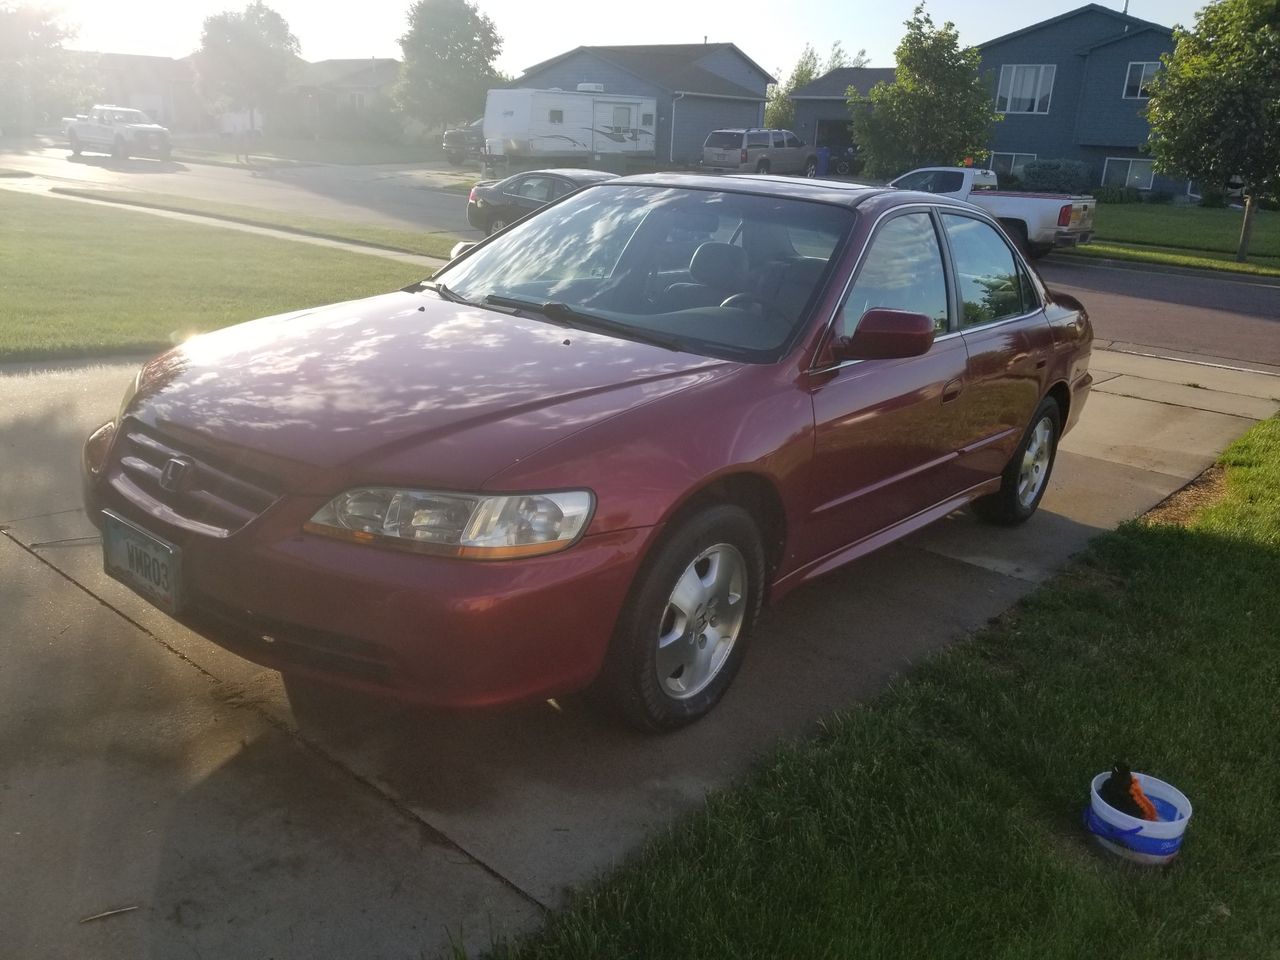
x=1177 y=257
x=357 y=152
x=409 y=241
x=942 y=820
x=80 y=280
x=1189 y=227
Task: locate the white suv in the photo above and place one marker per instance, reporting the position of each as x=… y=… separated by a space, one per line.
x=759 y=151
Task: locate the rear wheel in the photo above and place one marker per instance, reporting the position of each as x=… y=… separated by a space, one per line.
x=683 y=632
x=496 y=224
x=1017 y=231
x=75 y=144
x=1036 y=251
x=762 y=166
x=1026 y=477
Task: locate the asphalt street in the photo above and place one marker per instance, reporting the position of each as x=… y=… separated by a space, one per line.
x=407 y=196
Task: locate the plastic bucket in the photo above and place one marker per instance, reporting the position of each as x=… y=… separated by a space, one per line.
x=1152 y=842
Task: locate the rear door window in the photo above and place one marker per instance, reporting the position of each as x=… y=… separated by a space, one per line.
x=793 y=140
x=779 y=140
x=758 y=139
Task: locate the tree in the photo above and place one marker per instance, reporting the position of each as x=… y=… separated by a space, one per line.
x=780 y=110
x=1215 y=105
x=38 y=79
x=245 y=58
x=938 y=110
x=448 y=61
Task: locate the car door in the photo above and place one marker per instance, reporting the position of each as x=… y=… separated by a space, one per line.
x=526 y=194
x=779 y=156
x=886 y=430
x=96 y=131
x=1008 y=341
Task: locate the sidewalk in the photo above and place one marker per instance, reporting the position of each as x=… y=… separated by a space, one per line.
x=160 y=730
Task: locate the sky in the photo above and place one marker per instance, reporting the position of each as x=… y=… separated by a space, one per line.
x=772 y=33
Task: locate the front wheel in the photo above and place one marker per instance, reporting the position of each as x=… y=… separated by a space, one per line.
x=683 y=632
x=811 y=168
x=1026 y=477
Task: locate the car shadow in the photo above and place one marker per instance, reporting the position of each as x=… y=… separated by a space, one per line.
x=131 y=165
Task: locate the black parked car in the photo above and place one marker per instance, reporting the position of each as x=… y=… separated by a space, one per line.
x=463 y=142
x=495 y=203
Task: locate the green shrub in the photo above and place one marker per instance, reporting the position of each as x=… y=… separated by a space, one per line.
x=1056 y=176
x=1112 y=194
x=1011 y=181
x=1213 y=197
x=1158 y=196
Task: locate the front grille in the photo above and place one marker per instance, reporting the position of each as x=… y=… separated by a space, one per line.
x=249 y=633
x=198 y=495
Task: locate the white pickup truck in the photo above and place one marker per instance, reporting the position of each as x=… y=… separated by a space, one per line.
x=1036 y=222
x=120 y=131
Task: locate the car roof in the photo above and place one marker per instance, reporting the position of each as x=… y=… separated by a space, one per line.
x=840 y=192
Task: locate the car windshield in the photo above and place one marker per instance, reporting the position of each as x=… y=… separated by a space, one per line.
x=722 y=274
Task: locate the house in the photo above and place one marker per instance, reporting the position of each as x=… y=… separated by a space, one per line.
x=161 y=86
x=697 y=87
x=822 y=108
x=329 y=86
x=1074 y=87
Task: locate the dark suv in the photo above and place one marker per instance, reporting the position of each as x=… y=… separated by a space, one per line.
x=463 y=142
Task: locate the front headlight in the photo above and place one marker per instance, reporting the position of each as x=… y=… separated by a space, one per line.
x=471 y=526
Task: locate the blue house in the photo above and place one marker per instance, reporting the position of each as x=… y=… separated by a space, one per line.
x=1075 y=87
x=699 y=87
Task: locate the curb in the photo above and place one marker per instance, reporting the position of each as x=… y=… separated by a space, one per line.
x=1193 y=272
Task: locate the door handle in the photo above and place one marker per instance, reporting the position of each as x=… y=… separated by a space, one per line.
x=952 y=390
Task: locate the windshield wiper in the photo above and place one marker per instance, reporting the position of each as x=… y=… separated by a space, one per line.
x=560 y=312
x=444 y=292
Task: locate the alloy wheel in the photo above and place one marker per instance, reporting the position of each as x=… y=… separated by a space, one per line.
x=702 y=620
x=1035 y=462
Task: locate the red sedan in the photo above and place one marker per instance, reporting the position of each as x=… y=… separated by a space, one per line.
x=589 y=450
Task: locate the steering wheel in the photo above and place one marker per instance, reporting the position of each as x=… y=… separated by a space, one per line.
x=742 y=301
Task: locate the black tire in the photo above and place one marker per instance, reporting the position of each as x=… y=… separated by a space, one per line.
x=1017 y=231
x=630 y=684
x=496 y=224
x=454 y=158
x=1007 y=507
x=811 y=167
x=75 y=144
x=842 y=168
x=762 y=166
x=1037 y=251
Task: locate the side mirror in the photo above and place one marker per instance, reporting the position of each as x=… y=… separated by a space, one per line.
x=887 y=335
x=460 y=248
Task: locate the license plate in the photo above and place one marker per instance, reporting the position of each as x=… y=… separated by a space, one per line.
x=150 y=566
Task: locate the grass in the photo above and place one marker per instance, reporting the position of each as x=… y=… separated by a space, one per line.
x=942 y=820
x=390 y=238
x=1186 y=227
x=83 y=280
x=1176 y=257
x=343 y=152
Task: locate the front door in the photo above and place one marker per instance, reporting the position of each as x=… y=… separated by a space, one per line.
x=886 y=431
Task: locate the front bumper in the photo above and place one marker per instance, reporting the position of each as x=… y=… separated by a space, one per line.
x=427 y=629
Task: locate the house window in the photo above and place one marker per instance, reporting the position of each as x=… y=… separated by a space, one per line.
x=556 y=116
x=357 y=100
x=1005 y=164
x=646 y=119
x=1138 y=80
x=1025 y=88
x=1125 y=172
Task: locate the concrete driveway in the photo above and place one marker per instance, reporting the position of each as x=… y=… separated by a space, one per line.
x=141 y=766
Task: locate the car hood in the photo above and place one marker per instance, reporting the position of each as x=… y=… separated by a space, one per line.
x=357 y=390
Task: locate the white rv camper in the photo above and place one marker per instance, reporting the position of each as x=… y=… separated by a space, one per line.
x=581 y=123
